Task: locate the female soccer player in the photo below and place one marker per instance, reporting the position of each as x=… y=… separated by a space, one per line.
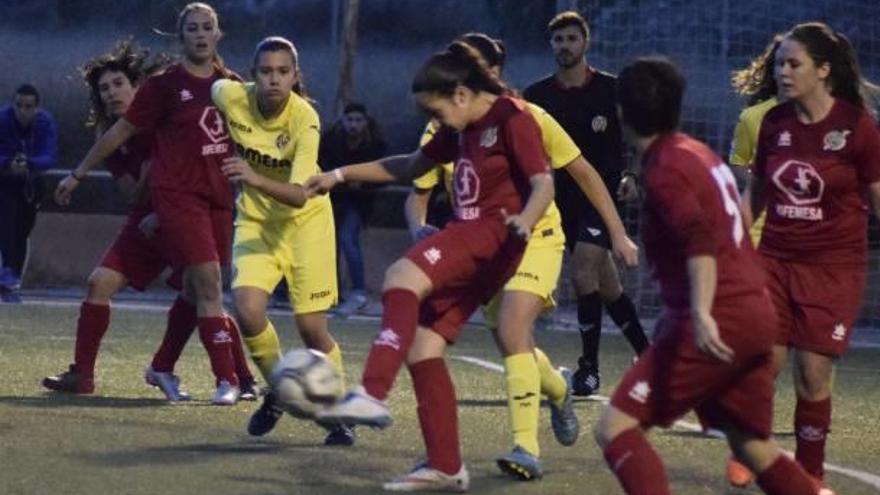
x=707 y=353
x=816 y=167
x=136 y=257
x=278 y=233
x=530 y=291
x=191 y=197
x=502 y=187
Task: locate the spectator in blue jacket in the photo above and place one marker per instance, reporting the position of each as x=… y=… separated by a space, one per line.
x=28 y=147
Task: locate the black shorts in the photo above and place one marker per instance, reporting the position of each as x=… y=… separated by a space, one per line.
x=584 y=224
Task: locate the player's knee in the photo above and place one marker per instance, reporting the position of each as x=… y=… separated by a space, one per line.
x=102 y=285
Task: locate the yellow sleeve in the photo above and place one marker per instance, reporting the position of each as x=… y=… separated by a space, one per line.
x=307 y=140
x=742 y=149
x=220 y=93
x=431 y=178
x=558 y=145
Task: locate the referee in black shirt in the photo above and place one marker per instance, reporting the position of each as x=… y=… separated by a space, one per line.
x=582 y=100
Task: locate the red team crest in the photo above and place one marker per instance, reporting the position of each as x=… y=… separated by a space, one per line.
x=466 y=184
x=214 y=127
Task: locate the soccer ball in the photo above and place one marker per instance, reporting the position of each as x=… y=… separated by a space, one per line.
x=304 y=381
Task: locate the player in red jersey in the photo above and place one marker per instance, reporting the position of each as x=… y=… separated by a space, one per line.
x=136 y=257
x=707 y=354
x=191 y=197
x=816 y=167
x=502 y=186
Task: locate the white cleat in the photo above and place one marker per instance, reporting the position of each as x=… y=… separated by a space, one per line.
x=424 y=478
x=168 y=383
x=356 y=408
x=227 y=394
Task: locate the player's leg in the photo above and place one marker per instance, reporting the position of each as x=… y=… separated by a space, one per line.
x=181 y=322
x=777 y=474
x=812 y=418
x=619 y=306
x=628 y=453
x=584 y=264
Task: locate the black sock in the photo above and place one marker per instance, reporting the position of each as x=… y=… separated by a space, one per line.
x=590 y=326
x=623 y=312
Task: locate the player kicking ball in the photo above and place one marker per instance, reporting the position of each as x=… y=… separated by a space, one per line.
x=707 y=355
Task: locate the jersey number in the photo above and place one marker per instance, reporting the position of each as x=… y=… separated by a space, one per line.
x=727 y=185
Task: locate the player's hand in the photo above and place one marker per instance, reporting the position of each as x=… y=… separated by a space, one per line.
x=319 y=184
x=517 y=225
x=424 y=232
x=709 y=340
x=149 y=225
x=236 y=169
x=625 y=250
x=628 y=190
x=64 y=190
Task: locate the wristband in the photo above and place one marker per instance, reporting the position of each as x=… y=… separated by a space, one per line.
x=337 y=173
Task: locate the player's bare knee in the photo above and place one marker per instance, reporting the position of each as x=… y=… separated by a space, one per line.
x=102 y=285
x=404 y=274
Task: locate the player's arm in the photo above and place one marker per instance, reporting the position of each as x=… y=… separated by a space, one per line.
x=703 y=277
x=539 y=199
x=237 y=169
x=389 y=169
x=109 y=142
x=416 y=212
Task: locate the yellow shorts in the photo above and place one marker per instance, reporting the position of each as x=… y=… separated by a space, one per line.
x=538 y=274
x=302 y=251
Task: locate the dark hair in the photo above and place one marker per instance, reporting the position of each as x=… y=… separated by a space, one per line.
x=569 y=18
x=354 y=106
x=127 y=58
x=824 y=45
x=459 y=65
x=372 y=133
x=281 y=44
x=27 y=89
x=649 y=92
x=757 y=81
x=217 y=60
x=490 y=48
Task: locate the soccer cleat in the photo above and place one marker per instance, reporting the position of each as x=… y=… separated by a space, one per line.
x=226 y=395
x=586 y=379
x=249 y=390
x=357 y=408
x=354 y=303
x=265 y=418
x=520 y=464
x=738 y=475
x=563 y=419
x=71 y=381
x=340 y=436
x=424 y=478
x=168 y=383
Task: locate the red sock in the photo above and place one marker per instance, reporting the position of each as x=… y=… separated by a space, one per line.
x=438 y=414
x=218 y=342
x=242 y=371
x=400 y=316
x=94 y=319
x=812 y=422
x=785 y=477
x=182 y=320
x=636 y=464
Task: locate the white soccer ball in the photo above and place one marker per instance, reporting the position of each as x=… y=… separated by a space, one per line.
x=305 y=381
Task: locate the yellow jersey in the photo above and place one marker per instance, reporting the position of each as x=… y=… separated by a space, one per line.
x=284 y=148
x=560 y=149
x=745 y=145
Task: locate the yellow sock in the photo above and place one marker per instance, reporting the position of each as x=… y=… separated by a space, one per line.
x=523 y=400
x=335 y=357
x=265 y=350
x=552 y=383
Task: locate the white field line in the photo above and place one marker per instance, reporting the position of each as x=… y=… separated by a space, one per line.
x=865 y=477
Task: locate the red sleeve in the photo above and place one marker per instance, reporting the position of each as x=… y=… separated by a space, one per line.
x=680 y=200
x=443 y=147
x=148 y=107
x=867 y=150
x=523 y=139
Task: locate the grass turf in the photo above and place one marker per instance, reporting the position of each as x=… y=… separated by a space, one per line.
x=126 y=440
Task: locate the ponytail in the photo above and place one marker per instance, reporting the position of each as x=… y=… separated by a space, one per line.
x=459 y=65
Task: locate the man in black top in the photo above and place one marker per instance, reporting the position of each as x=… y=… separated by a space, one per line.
x=582 y=100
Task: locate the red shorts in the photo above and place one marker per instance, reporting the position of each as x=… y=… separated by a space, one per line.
x=673 y=376
x=817 y=304
x=467 y=262
x=138 y=258
x=194 y=229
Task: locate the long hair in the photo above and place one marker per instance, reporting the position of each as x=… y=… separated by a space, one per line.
x=278 y=44
x=217 y=60
x=757 y=81
x=824 y=45
x=459 y=65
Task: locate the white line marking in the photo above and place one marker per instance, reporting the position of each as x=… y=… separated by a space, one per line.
x=867 y=478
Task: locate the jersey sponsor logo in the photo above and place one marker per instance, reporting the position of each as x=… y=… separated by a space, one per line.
x=839 y=332
x=388 y=338
x=835 y=140
x=465 y=182
x=185 y=95
x=640 y=392
x=433 y=255
x=784 y=139
x=282 y=140
x=468 y=213
x=213 y=126
x=254 y=157
x=320 y=294
x=813 y=213
x=240 y=127
x=528 y=276
x=800 y=182
x=489 y=137
x=599 y=123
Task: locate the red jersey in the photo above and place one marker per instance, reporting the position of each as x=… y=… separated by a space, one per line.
x=191 y=139
x=128 y=160
x=816 y=178
x=692 y=208
x=493 y=160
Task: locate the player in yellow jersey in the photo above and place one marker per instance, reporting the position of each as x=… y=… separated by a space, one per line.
x=511 y=314
x=278 y=232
